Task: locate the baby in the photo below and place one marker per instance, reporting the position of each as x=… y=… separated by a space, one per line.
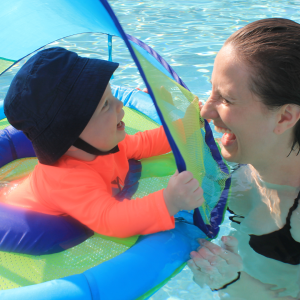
x=63 y=103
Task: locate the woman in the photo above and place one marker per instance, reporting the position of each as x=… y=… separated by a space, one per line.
x=255 y=102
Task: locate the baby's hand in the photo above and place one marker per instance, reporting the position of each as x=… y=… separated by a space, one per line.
x=145 y=90
x=216 y=266
x=183 y=192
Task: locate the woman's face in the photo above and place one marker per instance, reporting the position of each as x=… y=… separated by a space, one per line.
x=246 y=123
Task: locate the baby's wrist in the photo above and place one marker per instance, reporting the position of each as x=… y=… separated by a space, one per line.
x=172 y=209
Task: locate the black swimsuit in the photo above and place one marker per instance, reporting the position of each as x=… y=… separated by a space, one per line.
x=279 y=244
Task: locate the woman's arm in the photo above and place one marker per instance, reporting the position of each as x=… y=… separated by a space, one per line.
x=218 y=267
x=249 y=288
x=214 y=265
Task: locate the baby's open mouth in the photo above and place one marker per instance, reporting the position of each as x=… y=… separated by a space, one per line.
x=121 y=124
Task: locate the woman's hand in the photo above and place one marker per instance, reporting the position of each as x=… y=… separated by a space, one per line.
x=214 y=265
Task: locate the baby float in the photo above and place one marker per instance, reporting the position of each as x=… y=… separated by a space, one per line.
x=53 y=257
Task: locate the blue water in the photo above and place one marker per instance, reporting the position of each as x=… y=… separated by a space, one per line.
x=188 y=34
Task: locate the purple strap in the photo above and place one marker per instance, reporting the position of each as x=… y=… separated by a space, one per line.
x=158 y=58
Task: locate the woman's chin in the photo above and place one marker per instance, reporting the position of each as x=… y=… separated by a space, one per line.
x=229 y=150
x=228 y=157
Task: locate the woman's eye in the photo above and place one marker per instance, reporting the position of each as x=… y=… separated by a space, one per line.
x=226 y=101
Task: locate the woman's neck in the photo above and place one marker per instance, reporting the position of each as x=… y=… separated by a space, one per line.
x=283 y=171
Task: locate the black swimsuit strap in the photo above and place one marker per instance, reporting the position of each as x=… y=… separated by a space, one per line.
x=279 y=244
x=292 y=208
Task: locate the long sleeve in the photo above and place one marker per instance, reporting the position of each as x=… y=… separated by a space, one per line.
x=146 y=144
x=91 y=204
x=84 y=190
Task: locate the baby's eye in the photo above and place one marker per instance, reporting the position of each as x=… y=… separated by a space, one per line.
x=105 y=104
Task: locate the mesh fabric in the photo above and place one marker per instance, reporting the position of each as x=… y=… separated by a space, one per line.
x=21 y=270
x=17 y=169
x=3 y=124
x=4 y=64
x=179 y=110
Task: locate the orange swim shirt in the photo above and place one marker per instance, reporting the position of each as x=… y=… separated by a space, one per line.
x=84 y=190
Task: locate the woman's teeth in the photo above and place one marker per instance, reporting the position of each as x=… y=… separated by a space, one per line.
x=222 y=130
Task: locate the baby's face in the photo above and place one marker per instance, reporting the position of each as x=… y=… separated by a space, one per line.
x=105 y=128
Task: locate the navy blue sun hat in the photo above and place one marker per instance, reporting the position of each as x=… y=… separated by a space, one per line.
x=52 y=98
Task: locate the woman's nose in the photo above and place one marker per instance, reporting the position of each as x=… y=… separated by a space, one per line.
x=208 y=110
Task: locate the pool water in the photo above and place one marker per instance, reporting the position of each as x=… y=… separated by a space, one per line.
x=188 y=34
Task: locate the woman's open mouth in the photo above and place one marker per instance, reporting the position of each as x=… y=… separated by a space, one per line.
x=228 y=137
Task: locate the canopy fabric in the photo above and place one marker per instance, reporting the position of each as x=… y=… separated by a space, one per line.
x=29 y=25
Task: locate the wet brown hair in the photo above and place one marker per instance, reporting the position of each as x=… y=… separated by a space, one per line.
x=271 y=48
